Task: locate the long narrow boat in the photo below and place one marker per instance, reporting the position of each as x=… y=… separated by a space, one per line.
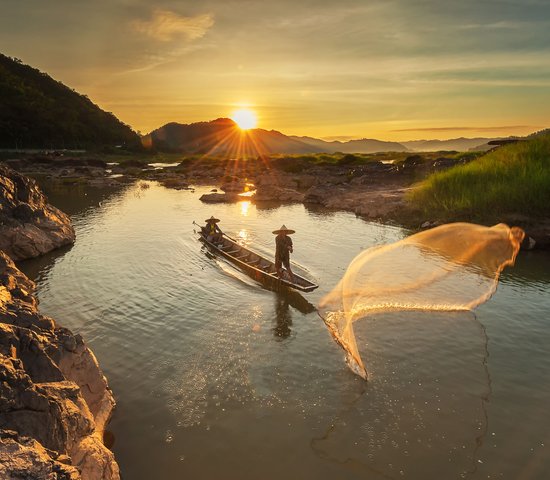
x=258 y=267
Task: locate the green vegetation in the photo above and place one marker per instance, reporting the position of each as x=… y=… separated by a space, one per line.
x=513 y=179
x=37 y=111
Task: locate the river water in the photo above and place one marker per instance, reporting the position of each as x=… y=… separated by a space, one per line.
x=216 y=377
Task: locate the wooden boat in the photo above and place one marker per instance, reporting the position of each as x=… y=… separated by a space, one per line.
x=258 y=267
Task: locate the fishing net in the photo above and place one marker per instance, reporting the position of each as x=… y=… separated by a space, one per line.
x=453 y=267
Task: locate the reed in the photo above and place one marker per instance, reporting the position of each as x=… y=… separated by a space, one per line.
x=513 y=179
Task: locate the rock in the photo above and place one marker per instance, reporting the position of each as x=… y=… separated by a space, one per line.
x=277 y=194
x=528 y=243
x=174 y=182
x=236 y=186
x=220 y=198
x=23 y=457
x=305 y=182
x=29 y=225
x=378 y=168
x=413 y=161
x=268 y=180
x=54 y=399
x=132 y=163
x=319 y=194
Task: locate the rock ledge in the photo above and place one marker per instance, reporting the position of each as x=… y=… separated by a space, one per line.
x=54 y=399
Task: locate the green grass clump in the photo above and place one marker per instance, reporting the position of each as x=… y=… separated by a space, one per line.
x=513 y=179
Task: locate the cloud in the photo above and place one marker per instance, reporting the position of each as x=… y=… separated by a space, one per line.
x=165 y=25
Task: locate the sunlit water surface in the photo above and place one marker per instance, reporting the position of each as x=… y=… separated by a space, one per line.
x=216 y=377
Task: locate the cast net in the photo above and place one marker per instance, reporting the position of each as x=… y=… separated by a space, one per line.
x=448 y=268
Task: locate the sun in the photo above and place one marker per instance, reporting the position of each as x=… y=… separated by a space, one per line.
x=244 y=118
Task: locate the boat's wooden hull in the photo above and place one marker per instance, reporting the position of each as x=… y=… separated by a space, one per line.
x=259 y=268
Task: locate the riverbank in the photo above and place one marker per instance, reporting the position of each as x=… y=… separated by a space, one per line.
x=54 y=400
x=381 y=187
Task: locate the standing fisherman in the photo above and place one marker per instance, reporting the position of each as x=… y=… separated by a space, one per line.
x=283 y=247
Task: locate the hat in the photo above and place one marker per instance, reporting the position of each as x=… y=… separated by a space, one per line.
x=212 y=219
x=283 y=229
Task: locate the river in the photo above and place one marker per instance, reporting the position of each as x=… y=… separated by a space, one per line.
x=216 y=377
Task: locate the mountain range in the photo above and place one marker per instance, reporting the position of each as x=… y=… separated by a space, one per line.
x=223 y=137
x=37 y=111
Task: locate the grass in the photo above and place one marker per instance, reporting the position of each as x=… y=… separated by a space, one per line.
x=513 y=179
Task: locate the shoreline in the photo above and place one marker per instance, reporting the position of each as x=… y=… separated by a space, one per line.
x=374 y=190
x=55 y=402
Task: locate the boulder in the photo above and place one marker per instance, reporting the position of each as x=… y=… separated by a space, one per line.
x=29 y=225
x=54 y=399
x=277 y=194
x=220 y=198
x=24 y=457
x=319 y=194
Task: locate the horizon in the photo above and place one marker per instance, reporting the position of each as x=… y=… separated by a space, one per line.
x=345 y=138
x=394 y=71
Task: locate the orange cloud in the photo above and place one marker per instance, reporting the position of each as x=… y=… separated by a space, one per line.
x=165 y=25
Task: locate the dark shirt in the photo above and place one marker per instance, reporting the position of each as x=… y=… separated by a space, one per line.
x=282 y=244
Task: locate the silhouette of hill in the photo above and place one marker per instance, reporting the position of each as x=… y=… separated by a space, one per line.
x=37 y=111
x=364 y=145
x=455 y=144
x=222 y=137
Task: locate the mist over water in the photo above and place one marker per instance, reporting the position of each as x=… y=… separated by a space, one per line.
x=216 y=377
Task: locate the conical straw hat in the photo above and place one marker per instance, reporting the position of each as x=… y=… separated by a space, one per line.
x=212 y=219
x=283 y=229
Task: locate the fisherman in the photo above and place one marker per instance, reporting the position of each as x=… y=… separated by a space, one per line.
x=211 y=230
x=283 y=247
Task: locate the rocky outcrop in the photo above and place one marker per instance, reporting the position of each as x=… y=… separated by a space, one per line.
x=220 y=198
x=23 y=457
x=278 y=188
x=54 y=399
x=29 y=226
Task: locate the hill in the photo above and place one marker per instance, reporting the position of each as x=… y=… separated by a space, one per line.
x=37 y=111
x=222 y=137
x=364 y=145
x=454 y=144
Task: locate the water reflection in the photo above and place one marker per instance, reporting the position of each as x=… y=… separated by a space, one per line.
x=283 y=317
x=424 y=396
x=38 y=268
x=530 y=268
x=245 y=206
x=77 y=199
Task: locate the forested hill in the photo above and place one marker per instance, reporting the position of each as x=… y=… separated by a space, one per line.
x=37 y=111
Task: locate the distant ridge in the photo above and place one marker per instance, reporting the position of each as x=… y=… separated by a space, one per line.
x=37 y=111
x=455 y=144
x=222 y=137
x=364 y=145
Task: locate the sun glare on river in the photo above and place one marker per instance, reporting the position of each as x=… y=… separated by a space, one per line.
x=244 y=118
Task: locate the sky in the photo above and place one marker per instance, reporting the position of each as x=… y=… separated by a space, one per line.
x=389 y=69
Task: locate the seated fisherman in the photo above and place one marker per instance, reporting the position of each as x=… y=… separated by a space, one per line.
x=211 y=230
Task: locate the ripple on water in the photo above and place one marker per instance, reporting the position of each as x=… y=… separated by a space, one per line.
x=201 y=355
